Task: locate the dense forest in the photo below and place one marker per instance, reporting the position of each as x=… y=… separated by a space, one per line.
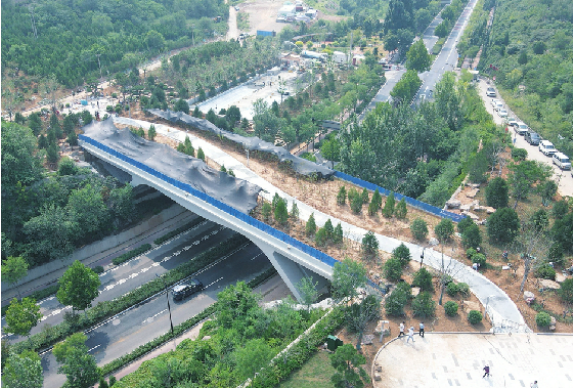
x=74 y=38
x=531 y=46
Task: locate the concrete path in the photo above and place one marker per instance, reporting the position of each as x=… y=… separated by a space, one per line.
x=457 y=360
x=503 y=312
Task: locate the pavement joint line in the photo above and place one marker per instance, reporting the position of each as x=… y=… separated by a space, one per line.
x=123 y=312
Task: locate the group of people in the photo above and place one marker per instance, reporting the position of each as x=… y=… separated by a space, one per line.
x=411 y=331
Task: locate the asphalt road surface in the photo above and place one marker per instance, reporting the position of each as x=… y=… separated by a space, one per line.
x=136 y=272
x=125 y=332
x=448 y=57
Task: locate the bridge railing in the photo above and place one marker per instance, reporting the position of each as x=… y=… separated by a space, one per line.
x=410 y=201
x=321 y=256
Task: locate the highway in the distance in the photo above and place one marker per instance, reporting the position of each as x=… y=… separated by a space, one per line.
x=136 y=272
x=124 y=333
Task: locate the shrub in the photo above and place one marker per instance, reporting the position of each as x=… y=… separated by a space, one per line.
x=475 y=317
x=519 y=154
x=471 y=237
x=281 y=212
x=545 y=271
x=266 y=211
x=338 y=234
x=321 y=237
x=401 y=209
x=388 y=210
x=98 y=269
x=370 y=245
x=393 y=270
x=423 y=279
x=395 y=302
x=543 y=319
x=470 y=253
x=560 y=209
x=452 y=289
x=329 y=228
x=423 y=306
x=310 y=226
x=502 y=226
x=464 y=224
x=364 y=196
x=356 y=204
x=402 y=253
x=451 y=308
x=464 y=289
x=497 y=193
x=479 y=258
x=556 y=254
x=444 y=230
x=566 y=290
x=131 y=254
x=419 y=229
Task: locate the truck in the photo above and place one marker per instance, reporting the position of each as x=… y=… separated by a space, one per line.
x=266 y=33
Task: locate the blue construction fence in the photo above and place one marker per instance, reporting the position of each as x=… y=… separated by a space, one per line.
x=410 y=201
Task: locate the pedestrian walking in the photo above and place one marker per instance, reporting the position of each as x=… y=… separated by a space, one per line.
x=410 y=334
x=514 y=139
x=486 y=369
x=401 y=329
x=422 y=329
x=534 y=384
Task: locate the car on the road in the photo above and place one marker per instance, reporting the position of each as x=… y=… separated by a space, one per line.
x=502 y=112
x=521 y=129
x=183 y=291
x=498 y=106
x=562 y=161
x=547 y=148
x=237 y=9
x=532 y=138
x=494 y=102
x=511 y=121
x=490 y=92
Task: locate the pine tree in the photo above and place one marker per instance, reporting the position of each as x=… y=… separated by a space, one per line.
x=401 y=209
x=223 y=169
x=294 y=213
x=377 y=199
x=151 y=132
x=310 y=226
x=389 y=206
x=341 y=196
x=281 y=212
x=364 y=196
x=72 y=138
x=338 y=234
x=356 y=204
x=266 y=211
x=329 y=228
x=276 y=199
x=372 y=208
x=200 y=154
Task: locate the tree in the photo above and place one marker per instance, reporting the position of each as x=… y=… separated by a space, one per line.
x=22 y=316
x=347 y=362
x=200 y=154
x=524 y=175
x=337 y=235
x=393 y=270
x=401 y=209
x=370 y=245
x=266 y=211
x=329 y=228
x=548 y=191
x=23 y=371
x=402 y=253
x=419 y=229
x=497 y=193
x=310 y=226
x=502 y=226
x=443 y=29
x=418 y=57
x=347 y=277
x=444 y=230
x=233 y=115
x=471 y=236
x=562 y=232
x=151 y=133
x=122 y=202
x=72 y=139
x=67 y=167
x=388 y=210
x=53 y=154
x=358 y=314
x=79 y=367
x=308 y=292
x=281 y=212
x=20 y=160
x=78 y=286
x=356 y=204
x=87 y=208
x=197 y=113
x=448 y=101
x=14 y=269
x=423 y=279
x=181 y=106
x=566 y=290
x=35 y=123
x=294 y=212
x=406 y=88
x=423 y=306
x=560 y=209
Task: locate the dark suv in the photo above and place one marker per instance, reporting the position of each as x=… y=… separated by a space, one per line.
x=184 y=290
x=532 y=138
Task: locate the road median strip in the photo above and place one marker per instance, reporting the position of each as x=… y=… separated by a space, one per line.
x=44 y=340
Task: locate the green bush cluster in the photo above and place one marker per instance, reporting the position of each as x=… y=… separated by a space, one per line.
x=398 y=299
x=545 y=271
x=38 y=295
x=475 y=317
x=419 y=229
x=131 y=254
x=566 y=290
x=452 y=289
x=173 y=233
x=423 y=305
x=106 y=309
x=543 y=319
x=451 y=308
x=423 y=279
x=464 y=289
x=393 y=269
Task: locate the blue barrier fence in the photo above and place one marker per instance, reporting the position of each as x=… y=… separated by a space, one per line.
x=410 y=201
x=324 y=258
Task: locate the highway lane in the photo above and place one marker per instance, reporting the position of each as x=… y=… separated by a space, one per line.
x=122 y=334
x=448 y=57
x=138 y=271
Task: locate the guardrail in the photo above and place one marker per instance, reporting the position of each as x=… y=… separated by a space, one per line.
x=322 y=257
x=410 y=201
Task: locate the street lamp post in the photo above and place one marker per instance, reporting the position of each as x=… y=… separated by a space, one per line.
x=168 y=308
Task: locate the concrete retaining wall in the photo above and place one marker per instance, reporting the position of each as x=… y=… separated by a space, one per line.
x=93 y=251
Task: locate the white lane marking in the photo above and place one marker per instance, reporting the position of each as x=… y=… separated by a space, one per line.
x=256 y=256
x=152 y=318
x=214 y=282
x=95 y=347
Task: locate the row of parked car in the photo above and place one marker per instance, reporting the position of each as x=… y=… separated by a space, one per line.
x=533 y=138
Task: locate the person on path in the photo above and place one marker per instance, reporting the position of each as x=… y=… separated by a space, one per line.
x=534 y=385
x=486 y=369
x=422 y=329
x=410 y=335
x=401 y=330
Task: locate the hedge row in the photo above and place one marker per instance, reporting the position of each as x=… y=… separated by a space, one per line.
x=131 y=254
x=175 y=232
x=177 y=330
x=51 y=335
x=300 y=353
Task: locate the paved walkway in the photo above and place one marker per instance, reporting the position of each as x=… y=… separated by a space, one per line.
x=457 y=360
x=503 y=312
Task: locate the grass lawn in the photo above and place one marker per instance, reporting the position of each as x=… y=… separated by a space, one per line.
x=316 y=373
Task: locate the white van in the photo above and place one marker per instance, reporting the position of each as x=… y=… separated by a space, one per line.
x=562 y=161
x=547 y=148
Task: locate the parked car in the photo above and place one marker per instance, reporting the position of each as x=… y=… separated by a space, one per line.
x=521 y=129
x=511 y=121
x=547 y=148
x=562 y=161
x=532 y=138
x=490 y=92
x=498 y=106
x=502 y=112
x=182 y=291
x=494 y=102
x=237 y=9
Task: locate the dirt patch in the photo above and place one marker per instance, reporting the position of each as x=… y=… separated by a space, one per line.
x=263 y=15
